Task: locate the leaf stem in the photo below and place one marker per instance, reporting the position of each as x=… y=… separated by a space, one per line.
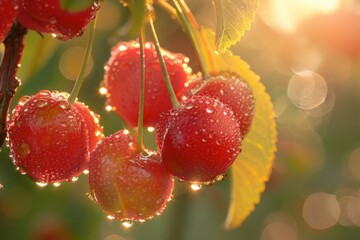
x=185 y=21
x=165 y=5
x=170 y=89
x=76 y=89
x=140 y=130
x=14 y=46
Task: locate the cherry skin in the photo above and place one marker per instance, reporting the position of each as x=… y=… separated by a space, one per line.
x=8 y=11
x=49 y=17
x=95 y=131
x=48 y=138
x=199 y=140
x=126 y=184
x=230 y=89
x=122 y=81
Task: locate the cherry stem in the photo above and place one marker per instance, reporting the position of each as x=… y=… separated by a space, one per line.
x=140 y=130
x=14 y=46
x=186 y=21
x=165 y=5
x=76 y=89
x=170 y=89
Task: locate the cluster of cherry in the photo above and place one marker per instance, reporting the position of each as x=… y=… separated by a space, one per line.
x=53 y=140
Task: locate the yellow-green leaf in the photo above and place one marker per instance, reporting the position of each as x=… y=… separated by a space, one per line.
x=234 y=17
x=253 y=166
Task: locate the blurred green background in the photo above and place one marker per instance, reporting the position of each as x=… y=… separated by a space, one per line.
x=307 y=53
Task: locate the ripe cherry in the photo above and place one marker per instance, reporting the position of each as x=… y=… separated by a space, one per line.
x=48 y=137
x=92 y=121
x=230 y=89
x=199 y=140
x=49 y=17
x=8 y=10
x=122 y=81
x=126 y=184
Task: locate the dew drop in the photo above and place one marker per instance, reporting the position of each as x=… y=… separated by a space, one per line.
x=221 y=177
x=195 y=186
x=108 y=108
x=209 y=183
x=64 y=104
x=86 y=172
x=103 y=91
x=127 y=223
x=210 y=109
x=122 y=48
x=41 y=103
x=56 y=184
x=23 y=100
x=204 y=140
x=97 y=133
x=189 y=106
x=22 y=171
x=110 y=217
x=74 y=179
x=24 y=150
x=151 y=129
x=41 y=184
x=52 y=20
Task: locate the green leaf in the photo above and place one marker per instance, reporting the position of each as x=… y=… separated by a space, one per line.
x=36 y=56
x=234 y=17
x=74 y=6
x=253 y=166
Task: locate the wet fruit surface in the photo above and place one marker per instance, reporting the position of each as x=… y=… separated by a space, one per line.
x=122 y=81
x=8 y=11
x=199 y=140
x=48 y=138
x=50 y=17
x=231 y=90
x=126 y=184
x=95 y=131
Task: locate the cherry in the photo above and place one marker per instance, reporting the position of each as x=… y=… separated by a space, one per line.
x=199 y=140
x=48 y=137
x=49 y=17
x=230 y=89
x=8 y=10
x=126 y=184
x=122 y=81
x=92 y=120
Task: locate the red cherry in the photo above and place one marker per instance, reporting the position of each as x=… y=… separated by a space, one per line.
x=49 y=17
x=127 y=185
x=200 y=140
x=92 y=120
x=122 y=80
x=48 y=138
x=230 y=89
x=8 y=10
